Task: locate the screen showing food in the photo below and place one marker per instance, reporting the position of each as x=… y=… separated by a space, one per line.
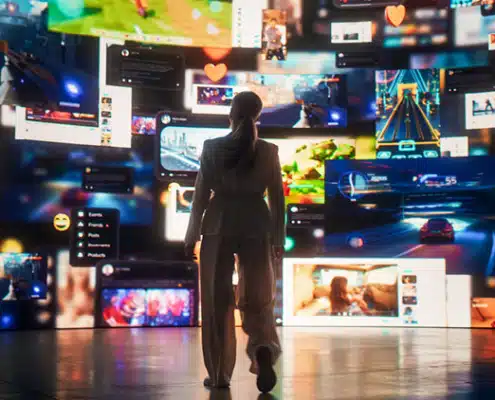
x=413 y=208
x=44 y=69
x=22 y=276
x=47 y=179
x=201 y=23
x=408 y=114
x=364 y=292
x=297 y=101
x=303 y=164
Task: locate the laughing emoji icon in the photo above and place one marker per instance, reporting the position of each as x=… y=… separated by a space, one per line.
x=61 y=222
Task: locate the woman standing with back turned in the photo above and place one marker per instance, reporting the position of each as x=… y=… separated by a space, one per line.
x=230 y=212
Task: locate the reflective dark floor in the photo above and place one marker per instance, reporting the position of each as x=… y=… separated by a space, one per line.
x=337 y=363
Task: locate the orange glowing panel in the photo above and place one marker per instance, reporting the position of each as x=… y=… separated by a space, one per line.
x=395 y=15
x=215 y=54
x=215 y=72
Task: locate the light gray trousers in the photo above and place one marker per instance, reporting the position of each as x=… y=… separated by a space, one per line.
x=256 y=301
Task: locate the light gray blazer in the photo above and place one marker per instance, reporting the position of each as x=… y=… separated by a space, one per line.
x=229 y=204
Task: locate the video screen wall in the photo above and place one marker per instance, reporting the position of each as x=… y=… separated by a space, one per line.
x=383 y=124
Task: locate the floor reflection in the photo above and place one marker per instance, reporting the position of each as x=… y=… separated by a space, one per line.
x=317 y=363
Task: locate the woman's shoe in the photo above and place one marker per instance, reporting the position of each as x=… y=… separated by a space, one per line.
x=208 y=383
x=267 y=379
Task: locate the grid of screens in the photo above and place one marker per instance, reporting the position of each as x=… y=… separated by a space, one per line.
x=379 y=176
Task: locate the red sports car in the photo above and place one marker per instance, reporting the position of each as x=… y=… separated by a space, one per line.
x=437 y=228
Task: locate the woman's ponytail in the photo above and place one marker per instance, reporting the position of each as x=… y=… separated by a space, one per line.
x=246 y=108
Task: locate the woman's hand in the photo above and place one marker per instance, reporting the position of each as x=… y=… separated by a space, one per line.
x=278 y=252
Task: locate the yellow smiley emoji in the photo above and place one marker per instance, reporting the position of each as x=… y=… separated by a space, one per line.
x=61 y=222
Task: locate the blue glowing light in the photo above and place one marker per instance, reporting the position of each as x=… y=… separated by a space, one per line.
x=6 y=321
x=335 y=116
x=73 y=88
x=36 y=289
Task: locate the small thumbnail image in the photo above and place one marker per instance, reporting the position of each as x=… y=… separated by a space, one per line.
x=106 y=100
x=143 y=125
x=480 y=110
x=409 y=315
x=106 y=140
x=184 y=200
x=106 y=106
x=410 y=300
x=491 y=41
x=274 y=35
x=215 y=95
x=169 y=307
x=409 y=279
x=483 y=312
x=105 y=122
x=106 y=114
x=123 y=307
x=352 y=32
x=454 y=146
x=409 y=290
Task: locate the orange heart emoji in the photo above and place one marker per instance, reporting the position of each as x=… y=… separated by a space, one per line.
x=215 y=72
x=216 y=54
x=395 y=15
